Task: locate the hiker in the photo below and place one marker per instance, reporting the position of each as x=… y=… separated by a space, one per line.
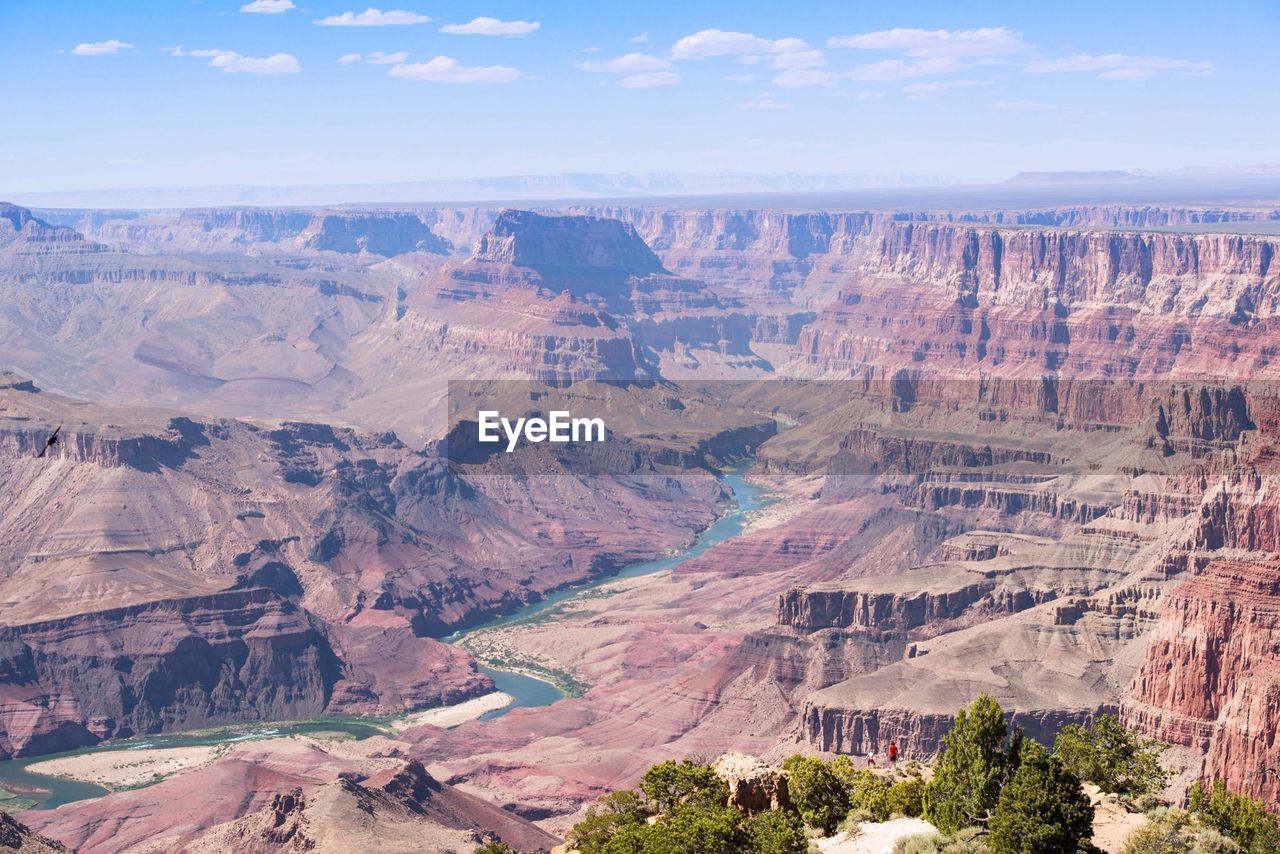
x=893 y=752
x=871 y=759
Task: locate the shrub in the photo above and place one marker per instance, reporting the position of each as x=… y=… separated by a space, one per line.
x=614 y=811
x=1042 y=809
x=1111 y=757
x=817 y=792
x=670 y=784
x=852 y=820
x=972 y=767
x=493 y=846
x=920 y=843
x=697 y=829
x=1176 y=832
x=867 y=791
x=1239 y=817
x=967 y=841
x=776 y=832
x=906 y=797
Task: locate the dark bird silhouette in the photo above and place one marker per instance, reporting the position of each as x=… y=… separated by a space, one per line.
x=50 y=442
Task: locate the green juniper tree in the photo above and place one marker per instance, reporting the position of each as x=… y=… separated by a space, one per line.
x=776 y=832
x=906 y=797
x=972 y=768
x=1042 y=809
x=1112 y=757
x=670 y=784
x=611 y=814
x=817 y=792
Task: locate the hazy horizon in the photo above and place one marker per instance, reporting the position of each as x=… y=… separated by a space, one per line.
x=1247 y=186
x=291 y=94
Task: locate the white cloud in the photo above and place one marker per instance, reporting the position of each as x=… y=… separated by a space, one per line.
x=897 y=69
x=444 y=69
x=984 y=42
x=1129 y=75
x=278 y=63
x=268 y=7
x=798 y=78
x=764 y=101
x=1120 y=66
x=642 y=38
x=375 y=58
x=650 y=80
x=373 y=18
x=727 y=43
x=884 y=71
x=380 y=58
x=628 y=63
x=742 y=78
x=483 y=26
x=235 y=63
x=800 y=59
x=1021 y=106
x=941 y=86
x=100 y=48
x=787 y=53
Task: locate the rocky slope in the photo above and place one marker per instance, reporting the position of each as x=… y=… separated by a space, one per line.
x=16 y=836
x=401 y=810
x=162 y=573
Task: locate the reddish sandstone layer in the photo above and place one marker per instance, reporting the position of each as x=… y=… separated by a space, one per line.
x=1211 y=679
x=1085 y=304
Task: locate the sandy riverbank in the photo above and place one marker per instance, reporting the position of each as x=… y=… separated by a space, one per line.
x=121 y=769
x=451 y=716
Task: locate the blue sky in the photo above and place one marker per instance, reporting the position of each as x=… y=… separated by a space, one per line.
x=114 y=94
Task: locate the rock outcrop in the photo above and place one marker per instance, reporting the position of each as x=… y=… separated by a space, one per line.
x=754 y=786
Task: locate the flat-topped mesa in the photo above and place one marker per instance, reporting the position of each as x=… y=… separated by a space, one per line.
x=573 y=297
x=246 y=225
x=579 y=255
x=829 y=607
x=16 y=216
x=924 y=602
x=556 y=243
x=374 y=232
x=19 y=226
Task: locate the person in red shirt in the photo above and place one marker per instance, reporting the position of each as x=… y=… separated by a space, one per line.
x=893 y=752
